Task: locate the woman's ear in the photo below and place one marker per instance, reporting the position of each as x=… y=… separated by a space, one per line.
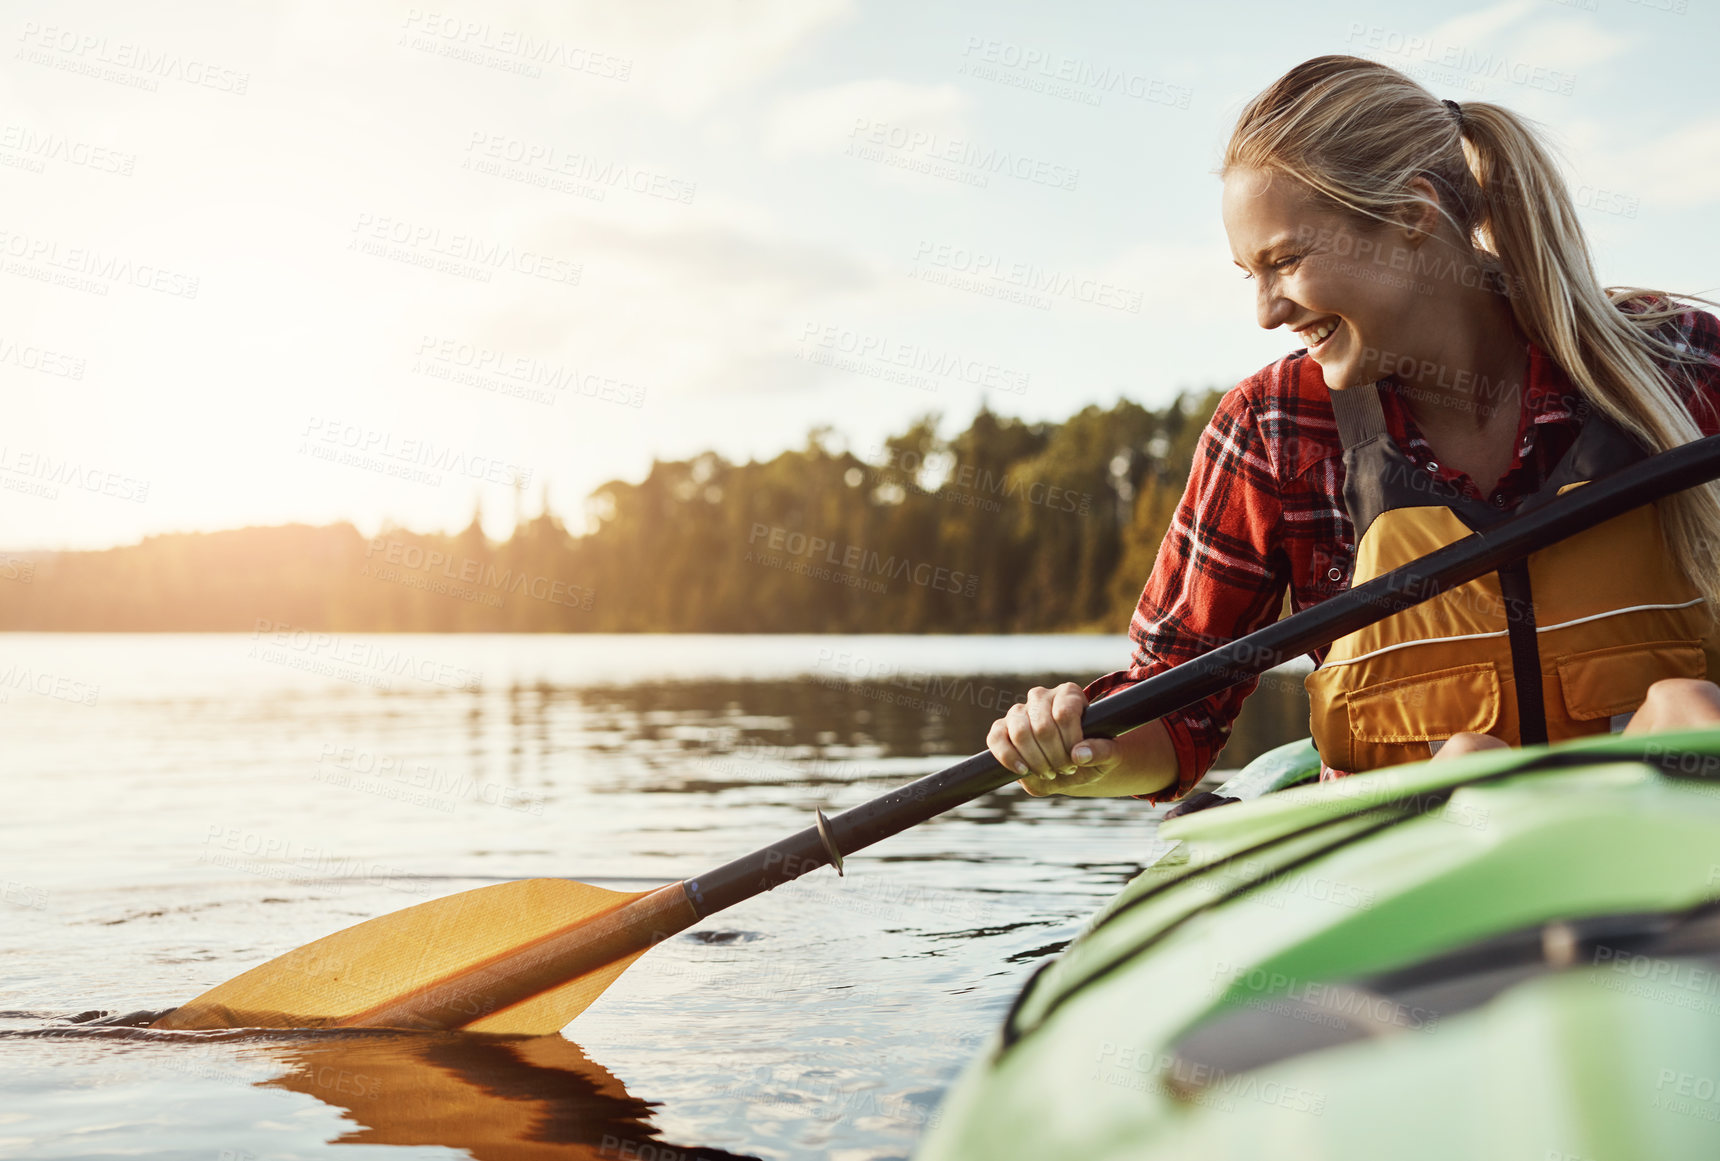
x=1420 y=218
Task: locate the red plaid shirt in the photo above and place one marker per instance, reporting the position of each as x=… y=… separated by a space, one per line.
x=1264 y=511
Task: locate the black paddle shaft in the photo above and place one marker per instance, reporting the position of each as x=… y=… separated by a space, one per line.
x=1458 y=563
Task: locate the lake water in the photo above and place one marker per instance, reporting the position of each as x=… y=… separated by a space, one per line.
x=182 y=808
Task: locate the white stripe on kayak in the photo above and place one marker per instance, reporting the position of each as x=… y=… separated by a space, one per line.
x=1506 y=632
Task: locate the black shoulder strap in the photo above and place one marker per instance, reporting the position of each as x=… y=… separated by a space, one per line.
x=1359 y=414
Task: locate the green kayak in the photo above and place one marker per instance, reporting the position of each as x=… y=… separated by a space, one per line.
x=1510 y=955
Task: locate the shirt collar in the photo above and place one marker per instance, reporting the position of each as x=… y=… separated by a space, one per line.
x=1548 y=397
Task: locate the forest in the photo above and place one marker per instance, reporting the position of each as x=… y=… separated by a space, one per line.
x=1007 y=527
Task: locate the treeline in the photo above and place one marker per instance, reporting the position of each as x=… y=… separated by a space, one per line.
x=1007 y=527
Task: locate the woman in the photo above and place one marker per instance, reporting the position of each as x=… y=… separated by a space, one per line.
x=1461 y=363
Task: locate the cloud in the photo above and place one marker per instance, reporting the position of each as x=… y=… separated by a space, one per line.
x=1470 y=27
x=1517 y=50
x=1680 y=168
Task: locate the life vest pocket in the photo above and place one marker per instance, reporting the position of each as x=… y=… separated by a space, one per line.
x=1426 y=706
x=1614 y=680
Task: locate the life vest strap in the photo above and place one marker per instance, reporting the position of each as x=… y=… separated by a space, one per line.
x=1359 y=414
x=1525 y=652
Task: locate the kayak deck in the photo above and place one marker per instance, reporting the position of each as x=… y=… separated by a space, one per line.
x=1505 y=955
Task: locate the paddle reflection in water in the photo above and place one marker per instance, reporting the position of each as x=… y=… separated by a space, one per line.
x=498 y=1098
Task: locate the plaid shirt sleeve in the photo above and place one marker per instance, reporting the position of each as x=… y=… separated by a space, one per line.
x=1220 y=573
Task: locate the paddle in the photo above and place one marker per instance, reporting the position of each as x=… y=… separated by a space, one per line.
x=527 y=957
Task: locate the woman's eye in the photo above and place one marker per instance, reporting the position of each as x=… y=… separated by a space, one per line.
x=1279 y=266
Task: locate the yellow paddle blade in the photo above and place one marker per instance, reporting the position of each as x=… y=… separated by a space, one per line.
x=523 y=957
x=550 y=1011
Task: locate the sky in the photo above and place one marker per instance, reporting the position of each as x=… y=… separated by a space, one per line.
x=309 y=261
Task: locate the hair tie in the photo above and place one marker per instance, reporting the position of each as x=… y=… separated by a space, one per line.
x=1456 y=111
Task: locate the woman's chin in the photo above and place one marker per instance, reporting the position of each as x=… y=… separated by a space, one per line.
x=1338 y=377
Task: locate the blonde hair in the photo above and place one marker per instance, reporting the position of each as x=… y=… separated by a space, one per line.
x=1356 y=133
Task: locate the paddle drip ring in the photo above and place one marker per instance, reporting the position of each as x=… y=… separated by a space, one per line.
x=829 y=841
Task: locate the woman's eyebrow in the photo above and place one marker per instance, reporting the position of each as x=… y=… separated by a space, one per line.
x=1272 y=247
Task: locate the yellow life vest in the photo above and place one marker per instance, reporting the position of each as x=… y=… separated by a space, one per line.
x=1552 y=648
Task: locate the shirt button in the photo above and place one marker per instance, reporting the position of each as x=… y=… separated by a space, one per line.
x=1334 y=574
x=1498 y=500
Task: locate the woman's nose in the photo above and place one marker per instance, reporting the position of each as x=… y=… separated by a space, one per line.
x=1270 y=307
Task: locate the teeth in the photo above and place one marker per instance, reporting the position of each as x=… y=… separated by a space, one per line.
x=1314 y=336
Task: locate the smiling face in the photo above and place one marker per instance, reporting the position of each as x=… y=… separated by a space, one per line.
x=1323 y=275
